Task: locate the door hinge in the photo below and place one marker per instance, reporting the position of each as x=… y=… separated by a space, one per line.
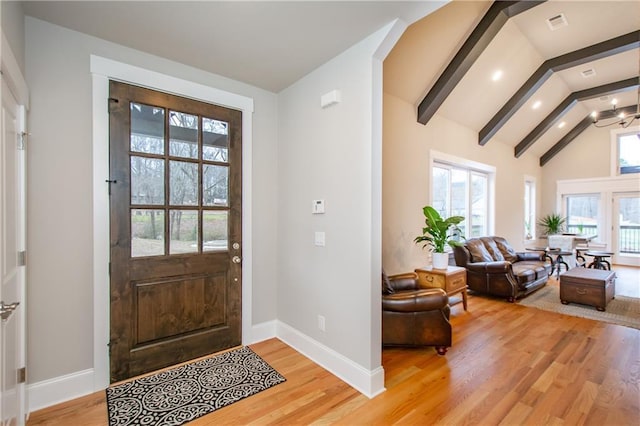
x=22 y=375
x=22 y=140
x=22 y=258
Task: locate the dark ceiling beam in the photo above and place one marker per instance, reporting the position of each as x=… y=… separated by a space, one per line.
x=581 y=127
x=597 y=51
x=491 y=23
x=567 y=104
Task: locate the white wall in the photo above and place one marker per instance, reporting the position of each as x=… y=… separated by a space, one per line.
x=60 y=322
x=12 y=24
x=406 y=180
x=331 y=154
x=587 y=156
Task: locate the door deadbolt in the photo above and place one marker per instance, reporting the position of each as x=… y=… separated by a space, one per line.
x=236 y=259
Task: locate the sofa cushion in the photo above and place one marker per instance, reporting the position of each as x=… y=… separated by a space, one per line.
x=478 y=251
x=507 y=251
x=524 y=273
x=492 y=248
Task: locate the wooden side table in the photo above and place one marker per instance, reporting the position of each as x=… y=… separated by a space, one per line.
x=452 y=280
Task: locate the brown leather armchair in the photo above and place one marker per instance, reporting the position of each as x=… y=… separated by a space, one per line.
x=414 y=316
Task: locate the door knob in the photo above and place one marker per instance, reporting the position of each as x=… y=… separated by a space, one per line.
x=236 y=259
x=7 y=310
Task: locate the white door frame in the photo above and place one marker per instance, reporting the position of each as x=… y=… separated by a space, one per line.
x=103 y=70
x=13 y=81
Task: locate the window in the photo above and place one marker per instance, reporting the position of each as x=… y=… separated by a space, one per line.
x=582 y=214
x=529 y=208
x=464 y=189
x=628 y=153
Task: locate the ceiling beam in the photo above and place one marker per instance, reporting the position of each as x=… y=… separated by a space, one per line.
x=491 y=23
x=567 y=104
x=581 y=127
x=597 y=51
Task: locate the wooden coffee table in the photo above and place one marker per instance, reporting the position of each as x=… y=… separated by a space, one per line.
x=452 y=280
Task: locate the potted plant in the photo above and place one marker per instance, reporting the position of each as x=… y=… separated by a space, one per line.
x=437 y=233
x=552 y=224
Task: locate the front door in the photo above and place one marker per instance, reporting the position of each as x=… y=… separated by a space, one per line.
x=175 y=219
x=12 y=266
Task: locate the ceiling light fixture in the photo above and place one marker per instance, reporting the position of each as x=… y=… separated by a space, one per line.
x=615 y=117
x=496 y=75
x=536 y=105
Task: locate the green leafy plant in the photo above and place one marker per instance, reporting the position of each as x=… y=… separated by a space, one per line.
x=552 y=223
x=438 y=231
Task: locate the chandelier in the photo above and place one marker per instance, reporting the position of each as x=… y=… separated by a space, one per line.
x=622 y=117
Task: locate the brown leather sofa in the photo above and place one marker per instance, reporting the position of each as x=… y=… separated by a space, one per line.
x=414 y=316
x=494 y=268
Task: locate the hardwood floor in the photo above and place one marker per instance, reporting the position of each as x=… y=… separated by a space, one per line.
x=509 y=365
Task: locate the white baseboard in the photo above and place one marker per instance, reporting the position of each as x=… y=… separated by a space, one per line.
x=368 y=382
x=59 y=389
x=261 y=332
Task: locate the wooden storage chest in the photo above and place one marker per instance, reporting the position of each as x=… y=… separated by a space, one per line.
x=594 y=287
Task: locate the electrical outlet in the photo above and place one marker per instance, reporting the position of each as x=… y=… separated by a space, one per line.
x=321 y=322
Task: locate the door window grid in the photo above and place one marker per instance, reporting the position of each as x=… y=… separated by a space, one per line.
x=193 y=177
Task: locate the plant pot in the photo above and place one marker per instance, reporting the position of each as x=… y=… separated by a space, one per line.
x=440 y=260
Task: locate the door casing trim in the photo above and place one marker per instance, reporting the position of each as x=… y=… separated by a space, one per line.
x=102 y=70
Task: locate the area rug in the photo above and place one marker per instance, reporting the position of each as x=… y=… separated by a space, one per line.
x=622 y=310
x=179 y=395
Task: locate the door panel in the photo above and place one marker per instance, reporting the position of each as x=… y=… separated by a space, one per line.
x=12 y=270
x=175 y=173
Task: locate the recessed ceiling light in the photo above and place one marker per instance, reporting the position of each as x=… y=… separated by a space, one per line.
x=561 y=125
x=496 y=75
x=557 y=21
x=536 y=105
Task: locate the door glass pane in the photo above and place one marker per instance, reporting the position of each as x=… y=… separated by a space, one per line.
x=183 y=135
x=183 y=229
x=183 y=183
x=147 y=180
x=215 y=185
x=215 y=140
x=582 y=214
x=629 y=232
x=459 y=191
x=147 y=129
x=147 y=232
x=215 y=230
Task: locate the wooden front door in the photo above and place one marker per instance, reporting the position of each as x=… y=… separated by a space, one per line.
x=175 y=218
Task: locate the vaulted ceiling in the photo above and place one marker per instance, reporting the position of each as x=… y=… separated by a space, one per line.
x=272 y=44
x=568 y=70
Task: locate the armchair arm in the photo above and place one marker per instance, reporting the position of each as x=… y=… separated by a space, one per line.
x=427 y=299
x=404 y=281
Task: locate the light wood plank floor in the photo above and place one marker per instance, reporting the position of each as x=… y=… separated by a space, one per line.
x=509 y=365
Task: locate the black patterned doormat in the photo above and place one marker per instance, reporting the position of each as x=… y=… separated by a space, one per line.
x=179 y=395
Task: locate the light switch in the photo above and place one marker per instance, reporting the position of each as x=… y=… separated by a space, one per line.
x=318 y=207
x=319 y=239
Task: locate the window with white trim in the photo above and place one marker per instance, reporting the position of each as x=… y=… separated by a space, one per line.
x=460 y=189
x=529 y=208
x=628 y=154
